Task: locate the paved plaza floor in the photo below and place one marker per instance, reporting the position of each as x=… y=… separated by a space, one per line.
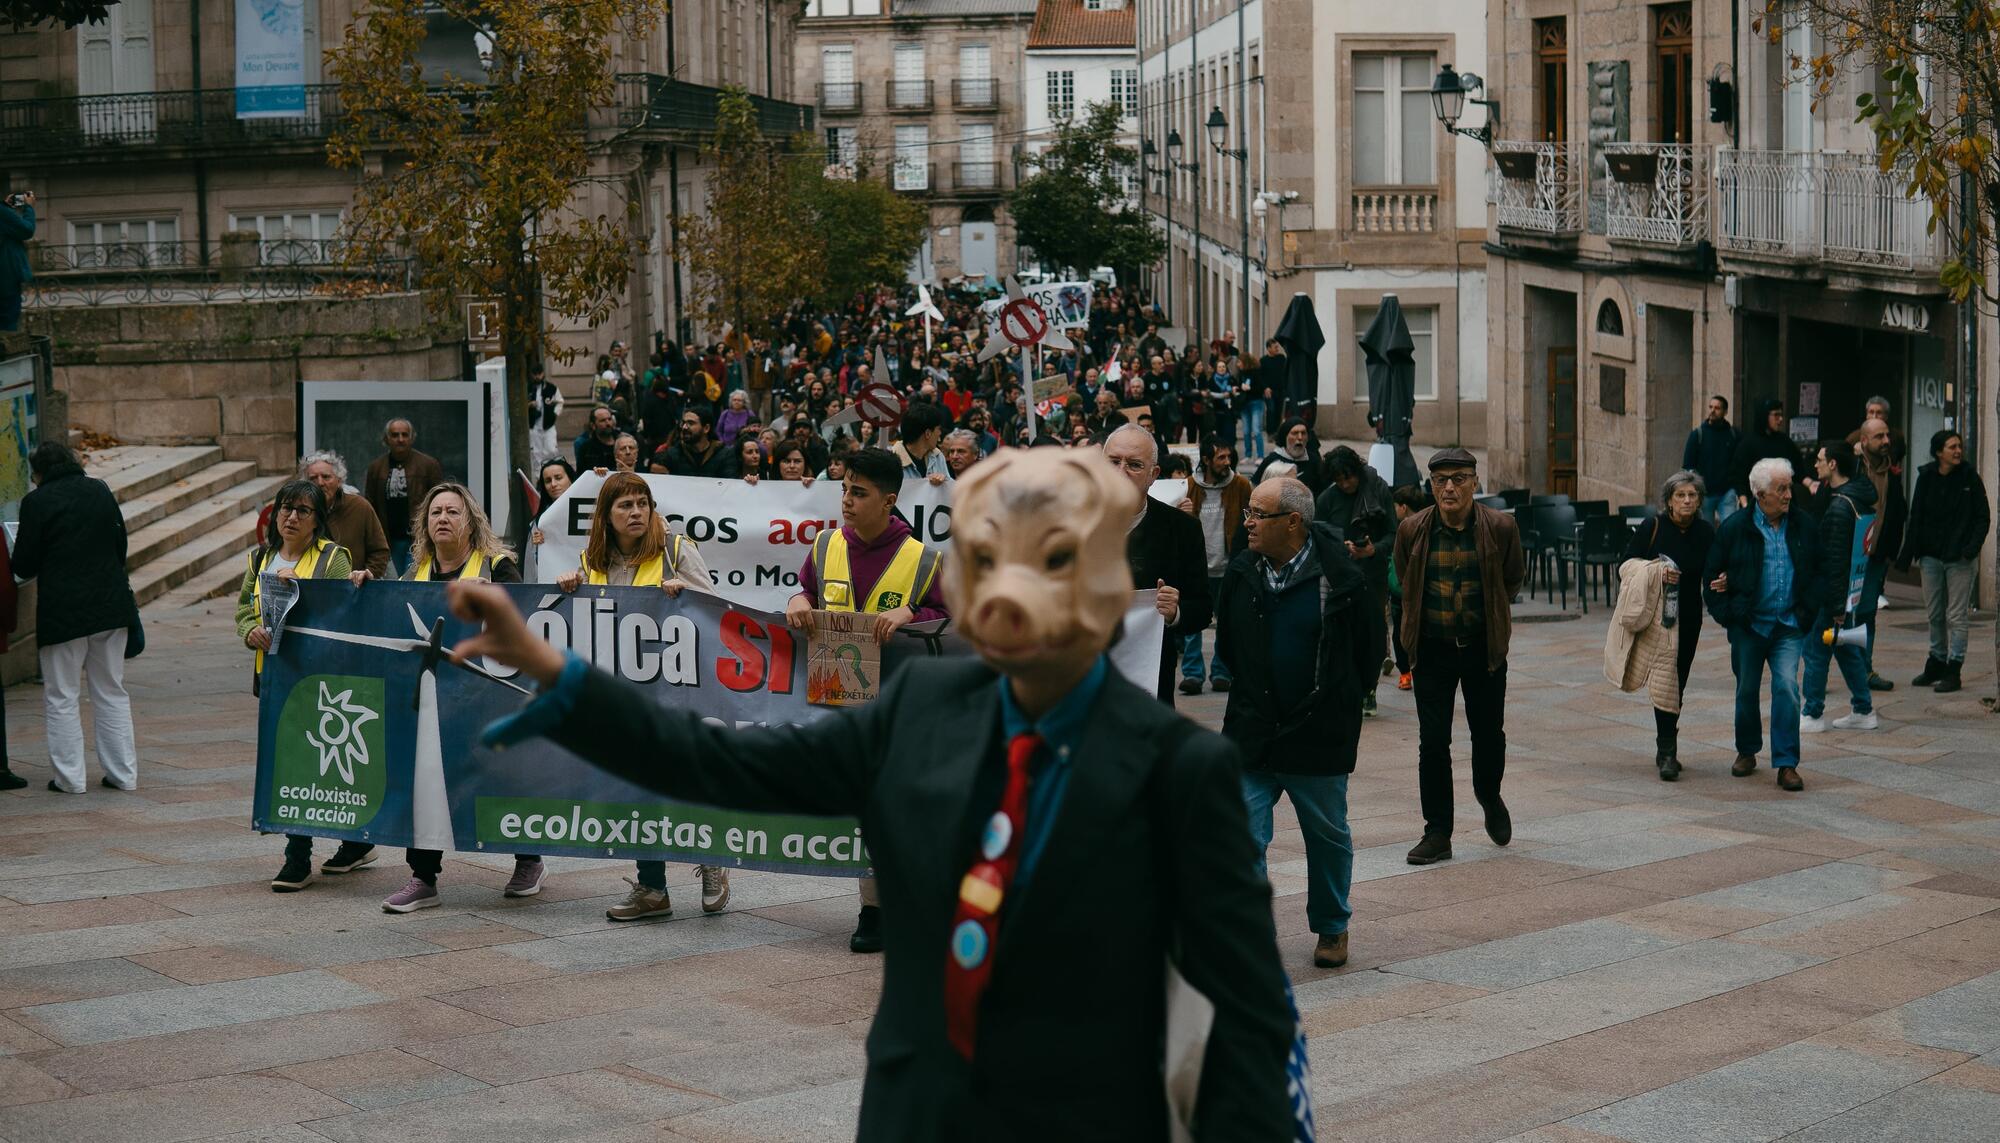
x=1709 y=960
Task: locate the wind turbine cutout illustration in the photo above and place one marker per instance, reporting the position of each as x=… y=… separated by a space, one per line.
x=430 y=804
x=1023 y=322
x=930 y=313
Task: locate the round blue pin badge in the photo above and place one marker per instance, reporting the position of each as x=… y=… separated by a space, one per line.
x=968 y=944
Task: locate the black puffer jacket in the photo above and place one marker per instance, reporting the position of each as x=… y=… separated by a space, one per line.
x=73 y=538
x=1321 y=732
x=1833 y=537
x=1948 y=516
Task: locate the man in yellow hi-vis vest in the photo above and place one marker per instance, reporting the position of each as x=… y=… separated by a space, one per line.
x=872 y=564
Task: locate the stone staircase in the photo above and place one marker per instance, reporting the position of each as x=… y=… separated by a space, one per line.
x=189 y=514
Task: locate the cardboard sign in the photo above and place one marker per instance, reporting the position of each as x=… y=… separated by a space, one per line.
x=1136 y=411
x=1050 y=388
x=843 y=660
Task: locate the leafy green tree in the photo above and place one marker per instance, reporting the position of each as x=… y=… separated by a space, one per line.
x=481 y=177
x=23 y=14
x=753 y=250
x=871 y=232
x=1073 y=211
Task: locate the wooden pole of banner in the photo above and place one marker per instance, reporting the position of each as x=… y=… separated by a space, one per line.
x=1027 y=396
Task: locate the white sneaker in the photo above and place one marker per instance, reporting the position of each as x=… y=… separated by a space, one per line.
x=1857 y=721
x=1809 y=725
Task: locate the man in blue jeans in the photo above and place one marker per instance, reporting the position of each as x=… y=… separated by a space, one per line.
x=1296 y=611
x=1760 y=573
x=1850 y=510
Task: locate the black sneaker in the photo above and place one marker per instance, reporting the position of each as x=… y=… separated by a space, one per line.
x=1190 y=686
x=1499 y=823
x=351 y=856
x=1878 y=683
x=11 y=781
x=867 y=936
x=296 y=875
x=1368 y=705
x=1218 y=685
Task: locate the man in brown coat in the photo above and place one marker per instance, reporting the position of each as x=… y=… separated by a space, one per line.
x=350 y=520
x=397 y=481
x=1460 y=566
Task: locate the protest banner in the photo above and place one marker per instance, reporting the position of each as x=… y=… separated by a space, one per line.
x=753 y=537
x=1066 y=303
x=367 y=731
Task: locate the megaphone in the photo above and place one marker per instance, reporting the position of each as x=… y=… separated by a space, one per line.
x=1845 y=636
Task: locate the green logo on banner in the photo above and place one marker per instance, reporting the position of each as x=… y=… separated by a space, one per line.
x=329 y=765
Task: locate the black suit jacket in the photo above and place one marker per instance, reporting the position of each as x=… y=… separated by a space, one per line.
x=1167 y=545
x=1150 y=849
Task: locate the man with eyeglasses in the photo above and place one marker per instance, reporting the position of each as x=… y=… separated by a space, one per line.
x=697 y=452
x=1297 y=617
x=1217 y=497
x=1460 y=566
x=1163 y=548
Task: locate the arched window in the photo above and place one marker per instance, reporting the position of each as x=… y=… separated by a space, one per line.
x=1609 y=320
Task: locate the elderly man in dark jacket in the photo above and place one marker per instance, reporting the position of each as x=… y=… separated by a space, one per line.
x=1164 y=550
x=1357 y=505
x=1760 y=574
x=72 y=539
x=1298 y=613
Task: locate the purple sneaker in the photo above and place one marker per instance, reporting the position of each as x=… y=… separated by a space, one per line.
x=527 y=879
x=418 y=894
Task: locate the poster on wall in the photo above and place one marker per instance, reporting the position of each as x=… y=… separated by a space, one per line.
x=270 y=59
x=18 y=435
x=461 y=423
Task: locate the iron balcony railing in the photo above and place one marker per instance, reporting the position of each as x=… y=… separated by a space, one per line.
x=909 y=94
x=840 y=98
x=1657 y=193
x=910 y=175
x=137 y=272
x=156 y=118
x=1839 y=208
x=975 y=93
x=650 y=102
x=1539 y=186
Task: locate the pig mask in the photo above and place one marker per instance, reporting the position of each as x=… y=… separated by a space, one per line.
x=1037 y=575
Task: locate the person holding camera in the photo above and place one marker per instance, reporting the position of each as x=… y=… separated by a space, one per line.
x=17 y=226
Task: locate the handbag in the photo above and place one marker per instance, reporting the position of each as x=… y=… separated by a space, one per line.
x=135 y=638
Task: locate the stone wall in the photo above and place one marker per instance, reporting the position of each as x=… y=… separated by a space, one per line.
x=226 y=372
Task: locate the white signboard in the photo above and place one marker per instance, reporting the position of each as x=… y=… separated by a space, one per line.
x=753 y=537
x=270 y=59
x=1066 y=303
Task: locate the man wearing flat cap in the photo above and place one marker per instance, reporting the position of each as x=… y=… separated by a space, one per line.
x=1460 y=566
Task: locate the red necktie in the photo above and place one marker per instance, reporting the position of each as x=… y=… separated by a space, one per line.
x=969 y=962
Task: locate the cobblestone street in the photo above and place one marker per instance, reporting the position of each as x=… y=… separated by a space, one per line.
x=1708 y=960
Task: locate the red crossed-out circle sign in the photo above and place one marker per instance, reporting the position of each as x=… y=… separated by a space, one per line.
x=880 y=405
x=1023 y=322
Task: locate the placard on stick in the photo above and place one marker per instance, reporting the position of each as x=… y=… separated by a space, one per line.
x=843 y=660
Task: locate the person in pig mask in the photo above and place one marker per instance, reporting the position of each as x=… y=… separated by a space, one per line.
x=1043 y=832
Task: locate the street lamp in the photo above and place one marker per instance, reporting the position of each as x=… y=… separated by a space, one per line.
x=1218 y=130
x=1174 y=148
x=1450 y=92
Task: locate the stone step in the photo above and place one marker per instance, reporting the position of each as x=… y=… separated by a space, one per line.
x=196 y=520
x=157 y=505
x=133 y=471
x=214 y=557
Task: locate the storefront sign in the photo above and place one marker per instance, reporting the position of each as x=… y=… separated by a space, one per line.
x=1909 y=317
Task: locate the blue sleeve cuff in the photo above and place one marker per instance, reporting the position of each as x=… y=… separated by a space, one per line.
x=546 y=711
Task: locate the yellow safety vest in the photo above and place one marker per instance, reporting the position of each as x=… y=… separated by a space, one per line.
x=473 y=569
x=651 y=573
x=904 y=582
x=304 y=569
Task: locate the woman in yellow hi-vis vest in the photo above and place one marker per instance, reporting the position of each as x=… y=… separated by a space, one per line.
x=294 y=547
x=454 y=540
x=874 y=564
x=630 y=545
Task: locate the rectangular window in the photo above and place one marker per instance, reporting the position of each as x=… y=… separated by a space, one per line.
x=838 y=91
x=1392 y=121
x=1422 y=321
x=1552 y=80
x=908 y=89
x=1125 y=89
x=843 y=8
x=842 y=149
x=296 y=236
x=976 y=168
x=975 y=61
x=133 y=242
x=1062 y=94
x=912 y=157
x=1673 y=59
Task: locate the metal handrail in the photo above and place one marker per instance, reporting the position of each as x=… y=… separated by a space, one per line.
x=975 y=176
x=662 y=103
x=975 y=93
x=185 y=118
x=909 y=94
x=1551 y=201
x=129 y=273
x=840 y=98
x=1671 y=209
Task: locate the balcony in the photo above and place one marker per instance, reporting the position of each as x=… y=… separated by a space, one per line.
x=1840 y=211
x=909 y=94
x=977 y=178
x=975 y=94
x=240 y=267
x=840 y=99
x=111 y=126
x=1538 y=187
x=1394 y=210
x=663 y=107
x=1657 y=194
